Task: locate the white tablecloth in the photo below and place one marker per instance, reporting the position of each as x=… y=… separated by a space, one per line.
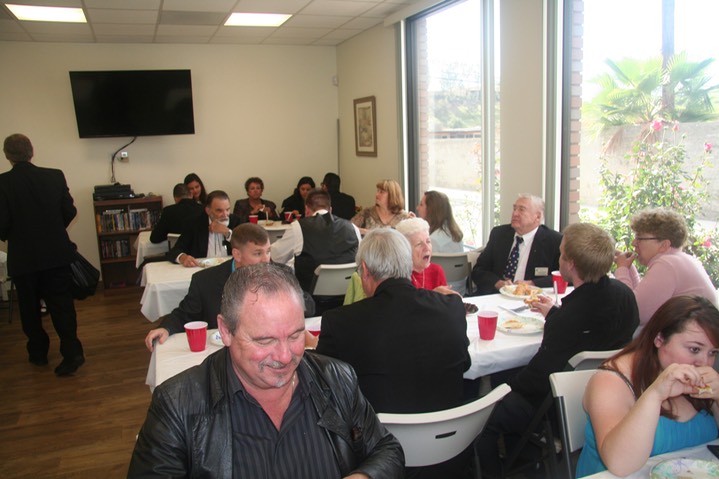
x=504 y=352
x=275 y=230
x=699 y=452
x=147 y=248
x=165 y=285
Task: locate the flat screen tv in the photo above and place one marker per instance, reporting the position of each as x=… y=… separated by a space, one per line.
x=132 y=103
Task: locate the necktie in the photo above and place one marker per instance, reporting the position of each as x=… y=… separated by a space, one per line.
x=511 y=267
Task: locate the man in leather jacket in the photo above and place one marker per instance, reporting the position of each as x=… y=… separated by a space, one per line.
x=261 y=407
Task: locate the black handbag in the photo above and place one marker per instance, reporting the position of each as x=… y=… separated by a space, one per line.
x=84 y=277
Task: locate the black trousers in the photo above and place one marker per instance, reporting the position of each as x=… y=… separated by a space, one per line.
x=52 y=286
x=509 y=419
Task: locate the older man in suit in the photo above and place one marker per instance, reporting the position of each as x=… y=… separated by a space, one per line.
x=174 y=217
x=35 y=210
x=524 y=251
x=408 y=345
x=207 y=236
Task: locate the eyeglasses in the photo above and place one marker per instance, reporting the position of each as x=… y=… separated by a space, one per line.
x=647 y=238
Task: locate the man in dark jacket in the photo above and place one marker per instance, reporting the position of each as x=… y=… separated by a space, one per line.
x=174 y=217
x=261 y=407
x=318 y=238
x=408 y=345
x=537 y=250
x=343 y=205
x=601 y=314
x=35 y=210
x=208 y=235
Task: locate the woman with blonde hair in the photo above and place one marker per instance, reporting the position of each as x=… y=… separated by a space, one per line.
x=659 y=236
x=388 y=209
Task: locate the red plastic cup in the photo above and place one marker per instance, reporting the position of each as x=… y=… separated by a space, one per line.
x=288 y=216
x=559 y=282
x=196 y=335
x=253 y=219
x=487 y=321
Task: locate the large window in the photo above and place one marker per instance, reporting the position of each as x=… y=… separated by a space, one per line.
x=644 y=110
x=452 y=110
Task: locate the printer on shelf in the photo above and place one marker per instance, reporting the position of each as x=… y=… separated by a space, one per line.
x=112 y=192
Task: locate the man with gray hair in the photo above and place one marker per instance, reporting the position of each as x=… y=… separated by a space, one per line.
x=524 y=251
x=408 y=345
x=261 y=406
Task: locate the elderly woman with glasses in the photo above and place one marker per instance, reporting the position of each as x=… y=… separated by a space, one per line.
x=659 y=235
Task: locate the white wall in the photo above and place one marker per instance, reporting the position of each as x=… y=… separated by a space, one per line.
x=367 y=65
x=267 y=111
x=522 y=87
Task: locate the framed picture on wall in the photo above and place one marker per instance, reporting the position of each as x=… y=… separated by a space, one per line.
x=365 y=126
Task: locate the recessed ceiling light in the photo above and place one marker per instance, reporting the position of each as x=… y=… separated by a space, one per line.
x=47 y=14
x=256 y=19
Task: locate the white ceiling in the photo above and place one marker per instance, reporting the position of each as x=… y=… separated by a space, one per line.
x=314 y=22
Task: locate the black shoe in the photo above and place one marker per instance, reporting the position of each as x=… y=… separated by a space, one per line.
x=38 y=361
x=69 y=366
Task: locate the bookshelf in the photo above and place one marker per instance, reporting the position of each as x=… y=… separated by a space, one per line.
x=118 y=222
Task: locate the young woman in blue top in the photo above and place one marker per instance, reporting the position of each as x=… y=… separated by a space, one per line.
x=650 y=398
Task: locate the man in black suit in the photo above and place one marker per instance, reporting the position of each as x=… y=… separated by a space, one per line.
x=408 y=345
x=208 y=235
x=35 y=210
x=318 y=238
x=343 y=205
x=250 y=245
x=174 y=217
x=537 y=246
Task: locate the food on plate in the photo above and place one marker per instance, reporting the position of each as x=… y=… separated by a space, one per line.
x=470 y=308
x=524 y=289
x=512 y=324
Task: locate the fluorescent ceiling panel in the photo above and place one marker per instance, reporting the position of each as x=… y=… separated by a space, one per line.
x=47 y=14
x=256 y=19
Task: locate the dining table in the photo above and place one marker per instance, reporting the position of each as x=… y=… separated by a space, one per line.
x=509 y=348
x=687 y=456
x=166 y=284
x=145 y=247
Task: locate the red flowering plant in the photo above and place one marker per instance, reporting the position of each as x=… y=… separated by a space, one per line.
x=659 y=176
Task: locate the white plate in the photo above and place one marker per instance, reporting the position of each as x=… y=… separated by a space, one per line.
x=210 y=262
x=214 y=337
x=509 y=291
x=525 y=325
x=685 y=468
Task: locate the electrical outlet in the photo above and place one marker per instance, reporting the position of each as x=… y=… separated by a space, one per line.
x=124 y=156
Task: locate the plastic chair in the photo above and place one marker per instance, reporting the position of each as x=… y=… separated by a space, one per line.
x=455 y=266
x=332 y=279
x=539 y=431
x=171 y=240
x=589 y=359
x=435 y=437
x=568 y=389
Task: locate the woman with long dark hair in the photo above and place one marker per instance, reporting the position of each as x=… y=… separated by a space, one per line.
x=434 y=207
x=197 y=188
x=659 y=394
